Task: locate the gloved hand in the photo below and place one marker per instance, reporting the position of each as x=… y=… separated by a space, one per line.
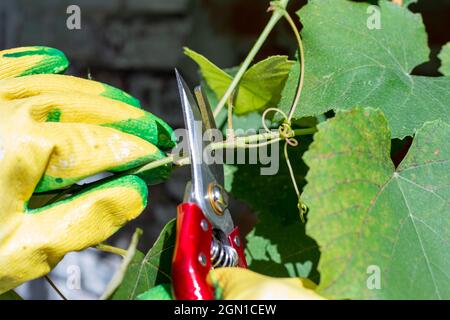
x=243 y=284
x=54 y=131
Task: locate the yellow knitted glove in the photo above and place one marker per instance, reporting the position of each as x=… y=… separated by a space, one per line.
x=54 y=131
x=243 y=284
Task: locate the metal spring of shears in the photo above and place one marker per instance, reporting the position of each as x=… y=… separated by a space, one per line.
x=222 y=255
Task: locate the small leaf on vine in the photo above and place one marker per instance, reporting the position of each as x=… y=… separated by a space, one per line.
x=259 y=88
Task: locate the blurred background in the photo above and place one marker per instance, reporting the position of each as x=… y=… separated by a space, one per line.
x=135 y=45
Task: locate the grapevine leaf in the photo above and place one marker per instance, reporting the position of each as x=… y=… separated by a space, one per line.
x=278 y=245
x=160 y=292
x=445 y=58
x=351 y=62
x=147 y=271
x=383 y=231
x=246 y=124
x=259 y=88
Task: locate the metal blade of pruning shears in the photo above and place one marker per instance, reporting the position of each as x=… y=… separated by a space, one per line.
x=206 y=188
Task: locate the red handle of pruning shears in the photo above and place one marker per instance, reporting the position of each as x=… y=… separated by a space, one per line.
x=192 y=258
x=188 y=271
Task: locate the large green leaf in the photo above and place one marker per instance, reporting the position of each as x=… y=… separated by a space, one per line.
x=348 y=64
x=259 y=88
x=368 y=215
x=147 y=271
x=278 y=245
x=445 y=59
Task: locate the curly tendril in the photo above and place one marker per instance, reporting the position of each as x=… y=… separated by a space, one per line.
x=288 y=135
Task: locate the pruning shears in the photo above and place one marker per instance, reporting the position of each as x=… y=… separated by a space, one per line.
x=206 y=236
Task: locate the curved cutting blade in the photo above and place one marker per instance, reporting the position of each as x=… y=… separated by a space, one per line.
x=204 y=173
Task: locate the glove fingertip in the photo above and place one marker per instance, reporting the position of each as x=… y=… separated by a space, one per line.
x=129 y=181
x=148 y=127
x=132 y=182
x=25 y=61
x=166 y=137
x=120 y=95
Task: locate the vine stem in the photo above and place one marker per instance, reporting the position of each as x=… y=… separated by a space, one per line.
x=276 y=16
x=243 y=142
x=237 y=142
x=302 y=64
x=154 y=164
x=110 y=249
x=230 y=132
x=286 y=126
x=291 y=171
